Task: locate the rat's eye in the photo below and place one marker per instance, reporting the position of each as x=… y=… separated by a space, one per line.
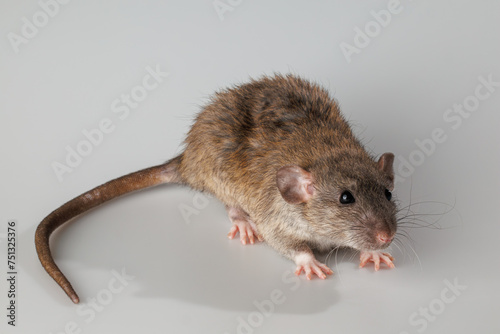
x=346 y=197
x=388 y=194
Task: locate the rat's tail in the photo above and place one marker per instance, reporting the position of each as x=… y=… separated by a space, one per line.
x=149 y=177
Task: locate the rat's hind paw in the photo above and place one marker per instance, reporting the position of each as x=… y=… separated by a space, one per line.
x=242 y=224
x=375 y=257
x=307 y=263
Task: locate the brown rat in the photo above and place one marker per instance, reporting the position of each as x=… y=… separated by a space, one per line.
x=280 y=156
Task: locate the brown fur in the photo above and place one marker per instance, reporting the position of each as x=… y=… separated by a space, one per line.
x=234 y=150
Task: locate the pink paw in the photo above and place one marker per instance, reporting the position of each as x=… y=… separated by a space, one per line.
x=307 y=263
x=247 y=232
x=242 y=224
x=376 y=257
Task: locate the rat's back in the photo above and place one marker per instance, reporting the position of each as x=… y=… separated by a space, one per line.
x=240 y=139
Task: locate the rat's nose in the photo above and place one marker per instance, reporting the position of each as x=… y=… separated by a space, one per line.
x=383 y=237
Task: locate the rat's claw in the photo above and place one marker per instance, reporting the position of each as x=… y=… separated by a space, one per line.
x=376 y=257
x=307 y=263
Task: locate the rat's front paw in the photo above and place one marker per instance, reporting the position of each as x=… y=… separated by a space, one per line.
x=376 y=257
x=242 y=224
x=248 y=232
x=307 y=263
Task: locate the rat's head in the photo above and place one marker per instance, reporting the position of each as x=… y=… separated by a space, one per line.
x=346 y=199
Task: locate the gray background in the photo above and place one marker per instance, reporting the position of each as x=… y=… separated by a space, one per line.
x=188 y=278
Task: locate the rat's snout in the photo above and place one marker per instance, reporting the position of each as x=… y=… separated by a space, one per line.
x=384 y=238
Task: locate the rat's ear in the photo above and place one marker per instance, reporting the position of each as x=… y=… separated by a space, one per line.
x=385 y=163
x=295 y=184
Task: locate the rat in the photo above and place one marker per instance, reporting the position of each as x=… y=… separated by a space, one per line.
x=286 y=164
